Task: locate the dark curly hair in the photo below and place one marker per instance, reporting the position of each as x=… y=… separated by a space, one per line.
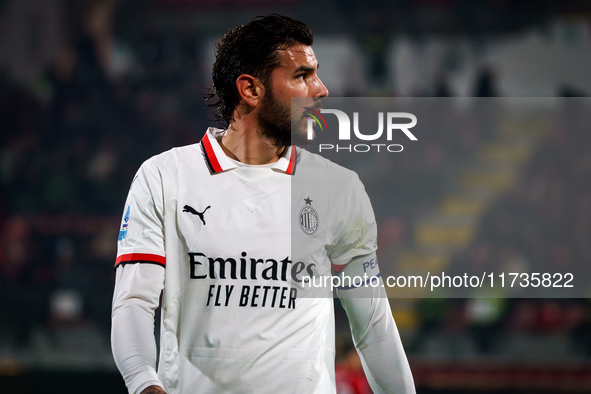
x=251 y=49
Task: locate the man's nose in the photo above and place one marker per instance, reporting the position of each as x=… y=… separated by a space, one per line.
x=322 y=91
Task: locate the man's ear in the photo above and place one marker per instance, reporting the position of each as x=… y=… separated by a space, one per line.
x=250 y=89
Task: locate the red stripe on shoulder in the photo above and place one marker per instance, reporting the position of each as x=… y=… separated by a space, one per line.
x=141 y=258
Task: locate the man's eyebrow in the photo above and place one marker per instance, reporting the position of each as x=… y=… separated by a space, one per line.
x=306 y=68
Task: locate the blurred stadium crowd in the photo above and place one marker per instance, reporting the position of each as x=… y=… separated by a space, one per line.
x=67 y=159
x=72 y=141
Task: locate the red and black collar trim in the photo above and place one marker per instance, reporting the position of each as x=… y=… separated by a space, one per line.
x=292 y=160
x=217 y=161
x=210 y=157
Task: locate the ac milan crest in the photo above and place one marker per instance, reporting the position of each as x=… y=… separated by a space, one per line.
x=308 y=218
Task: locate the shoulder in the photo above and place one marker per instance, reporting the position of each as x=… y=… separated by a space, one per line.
x=187 y=156
x=173 y=158
x=313 y=165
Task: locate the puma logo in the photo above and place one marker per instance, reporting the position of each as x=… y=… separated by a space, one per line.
x=190 y=209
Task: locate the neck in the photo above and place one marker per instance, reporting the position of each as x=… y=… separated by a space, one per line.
x=243 y=142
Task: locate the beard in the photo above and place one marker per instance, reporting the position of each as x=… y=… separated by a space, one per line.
x=275 y=121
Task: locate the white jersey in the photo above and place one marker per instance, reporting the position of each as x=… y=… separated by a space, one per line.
x=235 y=242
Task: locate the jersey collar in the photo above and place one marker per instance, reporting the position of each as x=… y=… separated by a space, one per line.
x=217 y=160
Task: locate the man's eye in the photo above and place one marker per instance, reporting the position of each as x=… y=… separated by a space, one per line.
x=301 y=76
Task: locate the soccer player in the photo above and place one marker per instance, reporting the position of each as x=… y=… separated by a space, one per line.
x=212 y=226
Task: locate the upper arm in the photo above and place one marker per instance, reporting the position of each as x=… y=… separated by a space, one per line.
x=141 y=236
x=353 y=225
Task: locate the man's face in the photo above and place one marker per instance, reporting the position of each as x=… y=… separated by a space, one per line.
x=295 y=76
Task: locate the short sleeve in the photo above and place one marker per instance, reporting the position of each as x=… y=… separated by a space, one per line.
x=141 y=235
x=353 y=224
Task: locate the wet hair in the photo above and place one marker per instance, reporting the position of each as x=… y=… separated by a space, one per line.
x=253 y=49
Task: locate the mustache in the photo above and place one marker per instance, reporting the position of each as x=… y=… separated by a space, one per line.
x=316 y=108
x=312 y=103
x=317 y=104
